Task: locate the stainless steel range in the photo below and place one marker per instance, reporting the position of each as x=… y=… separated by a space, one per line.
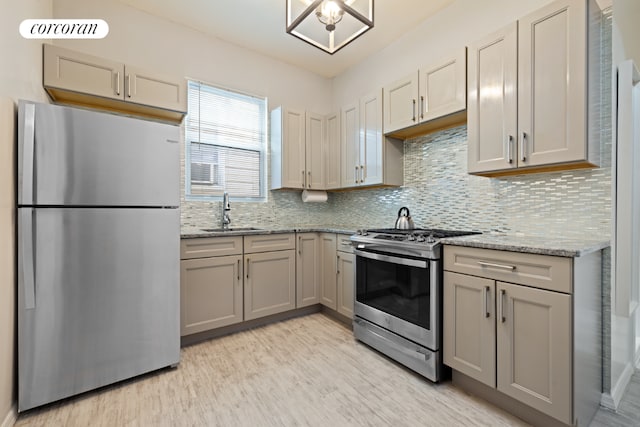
x=398 y=304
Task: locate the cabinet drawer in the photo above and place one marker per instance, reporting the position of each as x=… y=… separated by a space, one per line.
x=210 y=246
x=269 y=242
x=540 y=271
x=344 y=243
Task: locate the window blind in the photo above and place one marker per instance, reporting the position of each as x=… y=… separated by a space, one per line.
x=225 y=135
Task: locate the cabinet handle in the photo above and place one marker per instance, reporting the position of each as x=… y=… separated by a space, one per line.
x=238 y=270
x=129 y=85
x=422 y=106
x=361 y=173
x=338 y=265
x=485 y=303
x=299 y=245
x=304 y=180
x=118 y=83
x=309 y=182
x=248 y=262
x=502 y=295
x=356 y=175
x=414 y=110
x=509 y=143
x=523 y=155
x=501 y=266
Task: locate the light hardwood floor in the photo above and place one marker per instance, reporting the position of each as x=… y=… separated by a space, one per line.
x=307 y=371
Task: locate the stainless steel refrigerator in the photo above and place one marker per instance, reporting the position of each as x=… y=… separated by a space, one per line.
x=98 y=250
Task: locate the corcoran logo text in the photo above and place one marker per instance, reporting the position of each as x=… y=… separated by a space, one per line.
x=64 y=28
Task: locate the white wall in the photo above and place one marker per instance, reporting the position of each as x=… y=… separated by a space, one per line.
x=20 y=77
x=454 y=27
x=138 y=38
x=626 y=45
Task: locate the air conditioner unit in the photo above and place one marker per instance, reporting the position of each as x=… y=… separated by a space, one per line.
x=204 y=173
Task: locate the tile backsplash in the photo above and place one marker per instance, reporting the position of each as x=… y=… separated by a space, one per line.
x=439 y=192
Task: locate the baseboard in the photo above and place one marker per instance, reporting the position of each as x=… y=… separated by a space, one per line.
x=612 y=400
x=11 y=418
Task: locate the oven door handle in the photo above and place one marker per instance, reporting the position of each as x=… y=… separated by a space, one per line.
x=392 y=259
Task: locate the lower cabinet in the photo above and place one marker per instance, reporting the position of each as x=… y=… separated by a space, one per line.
x=346 y=283
x=269 y=283
x=328 y=281
x=210 y=293
x=337 y=273
x=308 y=269
x=513 y=329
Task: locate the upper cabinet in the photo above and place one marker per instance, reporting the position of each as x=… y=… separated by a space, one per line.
x=541 y=68
x=368 y=157
x=433 y=97
x=298 y=141
x=76 y=78
x=332 y=151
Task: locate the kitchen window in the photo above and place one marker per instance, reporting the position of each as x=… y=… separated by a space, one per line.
x=225 y=138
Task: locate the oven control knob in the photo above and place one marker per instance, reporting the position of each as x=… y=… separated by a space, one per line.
x=411 y=237
x=431 y=239
x=420 y=239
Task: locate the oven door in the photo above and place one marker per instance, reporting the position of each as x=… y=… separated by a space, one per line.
x=400 y=294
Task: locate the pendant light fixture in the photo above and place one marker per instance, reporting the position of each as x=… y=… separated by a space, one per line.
x=329 y=24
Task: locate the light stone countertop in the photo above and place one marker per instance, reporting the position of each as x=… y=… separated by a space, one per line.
x=503 y=242
x=195 y=232
x=569 y=248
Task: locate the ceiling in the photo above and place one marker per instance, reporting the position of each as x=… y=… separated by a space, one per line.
x=259 y=25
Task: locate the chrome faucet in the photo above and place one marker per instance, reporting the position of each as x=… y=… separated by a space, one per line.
x=226 y=207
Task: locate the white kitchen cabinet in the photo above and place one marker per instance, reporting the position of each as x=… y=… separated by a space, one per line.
x=269 y=283
x=542 y=65
x=269 y=274
x=350 y=145
x=210 y=293
x=328 y=279
x=308 y=269
x=76 y=78
x=210 y=283
x=436 y=91
x=332 y=152
x=346 y=273
x=368 y=157
x=298 y=141
x=516 y=322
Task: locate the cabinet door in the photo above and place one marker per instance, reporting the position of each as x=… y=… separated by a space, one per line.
x=552 y=84
x=147 y=88
x=210 y=293
x=332 y=152
x=469 y=338
x=534 y=345
x=293 y=158
x=492 y=108
x=400 y=103
x=269 y=283
x=308 y=269
x=350 y=143
x=314 y=151
x=346 y=283
x=86 y=74
x=328 y=281
x=443 y=87
x=371 y=139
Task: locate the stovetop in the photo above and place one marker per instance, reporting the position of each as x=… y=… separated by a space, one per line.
x=419 y=242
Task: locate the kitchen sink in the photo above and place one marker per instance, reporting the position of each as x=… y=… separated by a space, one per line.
x=218 y=230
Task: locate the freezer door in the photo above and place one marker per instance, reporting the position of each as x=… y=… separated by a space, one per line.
x=74 y=157
x=103 y=304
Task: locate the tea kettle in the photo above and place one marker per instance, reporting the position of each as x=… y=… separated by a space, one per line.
x=404 y=221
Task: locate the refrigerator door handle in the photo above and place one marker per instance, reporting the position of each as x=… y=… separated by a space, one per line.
x=28 y=153
x=28 y=267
